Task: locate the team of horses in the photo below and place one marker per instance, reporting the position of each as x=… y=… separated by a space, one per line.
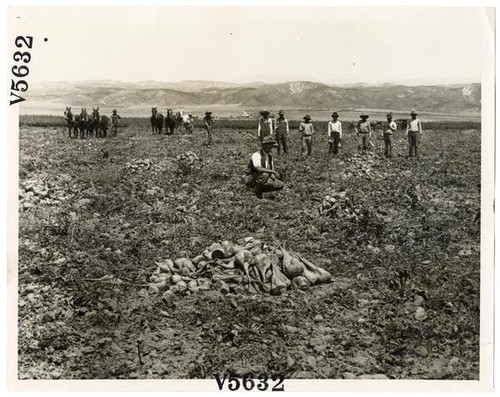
x=172 y=121
x=85 y=124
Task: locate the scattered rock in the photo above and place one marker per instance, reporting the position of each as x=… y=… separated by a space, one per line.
x=418 y=300
x=360 y=359
x=390 y=248
x=290 y=328
x=420 y=314
x=422 y=351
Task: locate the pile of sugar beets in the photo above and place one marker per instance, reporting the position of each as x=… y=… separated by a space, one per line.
x=247 y=266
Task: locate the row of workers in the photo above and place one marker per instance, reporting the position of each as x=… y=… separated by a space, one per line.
x=280 y=130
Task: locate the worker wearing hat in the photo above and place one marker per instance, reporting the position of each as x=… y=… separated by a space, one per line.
x=307 y=130
x=261 y=175
x=364 y=131
x=208 y=124
x=265 y=127
x=413 y=131
x=389 y=130
x=282 y=132
x=334 y=134
x=115 y=120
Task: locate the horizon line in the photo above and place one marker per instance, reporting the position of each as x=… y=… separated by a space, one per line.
x=261 y=82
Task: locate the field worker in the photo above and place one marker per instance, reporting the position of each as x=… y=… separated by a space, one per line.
x=265 y=127
x=334 y=134
x=364 y=132
x=282 y=132
x=389 y=130
x=208 y=124
x=115 y=120
x=307 y=130
x=261 y=174
x=189 y=124
x=413 y=131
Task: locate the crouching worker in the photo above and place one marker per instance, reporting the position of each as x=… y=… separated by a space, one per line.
x=261 y=174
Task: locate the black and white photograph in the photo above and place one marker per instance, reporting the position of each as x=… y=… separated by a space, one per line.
x=250 y=198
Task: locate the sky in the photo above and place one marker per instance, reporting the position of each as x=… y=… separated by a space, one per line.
x=338 y=45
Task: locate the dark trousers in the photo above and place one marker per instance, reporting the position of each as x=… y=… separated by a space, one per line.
x=334 y=143
x=282 y=140
x=306 y=145
x=209 y=136
x=388 y=145
x=262 y=183
x=363 y=140
x=413 y=143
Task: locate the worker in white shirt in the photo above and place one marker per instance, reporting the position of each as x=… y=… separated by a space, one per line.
x=261 y=175
x=389 y=130
x=413 y=131
x=334 y=134
x=265 y=127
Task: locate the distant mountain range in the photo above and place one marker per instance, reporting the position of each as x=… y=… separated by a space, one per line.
x=452 y=99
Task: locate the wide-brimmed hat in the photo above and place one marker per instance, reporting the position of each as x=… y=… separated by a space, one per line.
x=268 y=140
x=281 y=112
x=208 y=113
x=114 y=110
x=335 y=114
x=389 y=115
x=363 y=115
x=307 y=117
x=265 y=113
x=413 y=113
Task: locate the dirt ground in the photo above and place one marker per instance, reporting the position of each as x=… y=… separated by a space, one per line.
x=404 y=298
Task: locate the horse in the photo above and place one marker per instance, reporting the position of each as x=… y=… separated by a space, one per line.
x=84 y=123
x=68 y=116
x=100 y=123
x=78 y=121
x=188 y=121
x=169 y=122
x=156 y=121
x=183 y=123
x=179 y=122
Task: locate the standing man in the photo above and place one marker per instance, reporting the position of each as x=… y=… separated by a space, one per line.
x=265 y=127
x=334 y=134
x=413 y=131
x=115 y=120
x=208 y=123
x=364 y=132
x=389 y=130
x=189 y=124
x=261 y=174
x=307 y=130
x=282 y=131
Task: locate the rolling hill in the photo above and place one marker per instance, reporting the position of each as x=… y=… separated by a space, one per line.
x=292 y=95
